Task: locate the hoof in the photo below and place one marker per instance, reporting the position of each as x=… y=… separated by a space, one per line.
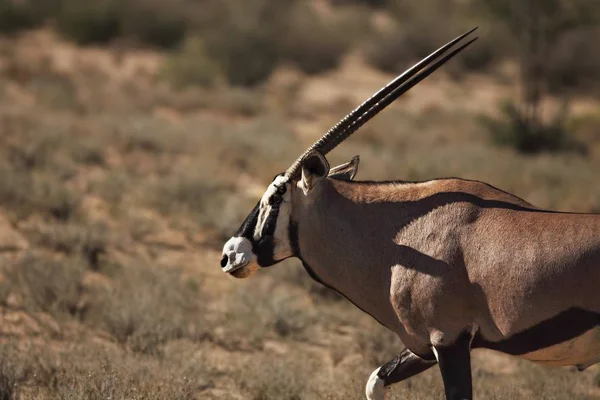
x=375 y=389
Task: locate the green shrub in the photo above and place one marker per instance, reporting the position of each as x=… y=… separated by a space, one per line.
x=316 y=44
x=16 y=16
x=575 y=62
x=370 y=3
x=92 y=21
x=515 y=130
x=386 y=50
x=247 y=57
x=419 y=28
x=482 y=55
x=245 y=43
x=154 y=24
x=191 y=66
x=394 y=48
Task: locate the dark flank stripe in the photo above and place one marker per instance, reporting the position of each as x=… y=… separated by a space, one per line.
x=474 y=199
x=564 y=326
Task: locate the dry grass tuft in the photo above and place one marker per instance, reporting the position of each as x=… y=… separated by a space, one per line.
x=88 y=241
x=50 y=285
x=146 y=307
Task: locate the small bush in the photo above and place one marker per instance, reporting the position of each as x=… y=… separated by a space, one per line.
x=77 y=370
x=527 y=136
x=90 y=242
x=146 y=307
x=316 y=44
x=147 y=135
x=88 y=152
x=386 y=50
x=280 y=379
x=53 y=197
x=248 y=57
x=24 y=194
x=47 y=284
x=370 y=3
x=493 y=45
x=187 y=193
x=393 y=49
x=419 y=28
x=415 y=31
x=16 y=16
x=575 y=62
x=92 y=21
x=245 y=43
x=191 y=66
x=154 y=24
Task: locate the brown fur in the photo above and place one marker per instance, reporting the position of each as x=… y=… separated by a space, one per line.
x=431 y=260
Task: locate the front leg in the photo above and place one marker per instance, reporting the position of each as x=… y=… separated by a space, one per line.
x=455 y=366
x=403 y=366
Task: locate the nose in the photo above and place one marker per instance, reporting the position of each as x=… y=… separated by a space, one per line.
x=224 y=261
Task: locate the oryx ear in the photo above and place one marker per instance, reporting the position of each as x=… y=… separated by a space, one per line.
x=314 y=168
x=346 y=171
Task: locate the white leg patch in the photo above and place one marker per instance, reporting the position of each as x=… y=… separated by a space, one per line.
x=435 y=353
x=375 y=389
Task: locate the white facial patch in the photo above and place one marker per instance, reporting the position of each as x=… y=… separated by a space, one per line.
x=265 y=207
x=281 y=245
x=272 y=189
x=239 y=253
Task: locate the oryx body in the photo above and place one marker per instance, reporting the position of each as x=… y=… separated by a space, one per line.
x=448 y=265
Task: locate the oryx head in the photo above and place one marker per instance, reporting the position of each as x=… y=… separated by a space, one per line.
x=264 y=238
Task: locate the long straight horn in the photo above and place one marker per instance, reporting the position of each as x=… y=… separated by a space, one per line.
x=381 y=99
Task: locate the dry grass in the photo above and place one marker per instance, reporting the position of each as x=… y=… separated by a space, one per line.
x=147 y=307
x=50 y=285
x=123 y=195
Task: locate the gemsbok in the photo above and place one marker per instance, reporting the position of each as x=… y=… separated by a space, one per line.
x=449 y=265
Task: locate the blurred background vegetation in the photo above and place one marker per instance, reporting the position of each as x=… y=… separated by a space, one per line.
x=135 y=136
x=241 y=43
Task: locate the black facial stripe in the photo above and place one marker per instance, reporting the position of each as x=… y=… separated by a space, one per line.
x=264 y=251
x=247 y=228
x=264 y=248
x=565 y=326
x=293 y=236
x=271 y=221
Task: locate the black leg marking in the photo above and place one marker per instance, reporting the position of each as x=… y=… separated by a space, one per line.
x=403 y=366
x=455 y=366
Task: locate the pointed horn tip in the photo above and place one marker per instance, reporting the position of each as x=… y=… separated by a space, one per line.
x=292 y=172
